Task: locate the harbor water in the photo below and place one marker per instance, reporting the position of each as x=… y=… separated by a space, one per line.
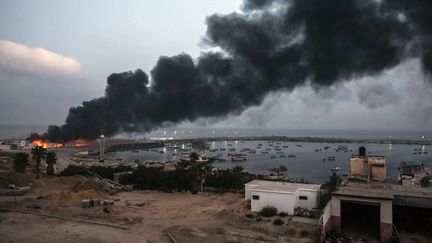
x=311 y=161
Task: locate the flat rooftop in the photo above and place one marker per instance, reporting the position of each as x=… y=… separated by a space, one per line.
x=284 y=187
x=382 y=190
x=368 y=156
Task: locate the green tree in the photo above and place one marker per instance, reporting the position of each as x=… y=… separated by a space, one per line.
x=328 y=187
x=39 y=153
x=51 y=159
x=21 y=162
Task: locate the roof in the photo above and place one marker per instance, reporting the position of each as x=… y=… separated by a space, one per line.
x=368 y=157
x=382 y=191
x=281 y=187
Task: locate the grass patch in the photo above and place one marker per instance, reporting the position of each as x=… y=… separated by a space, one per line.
x=282 y=214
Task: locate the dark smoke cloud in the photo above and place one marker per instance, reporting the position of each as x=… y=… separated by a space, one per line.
x=271 y=46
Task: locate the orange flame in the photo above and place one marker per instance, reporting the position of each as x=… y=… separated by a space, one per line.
x=39 y=143
x=81 y=143
x=59 y=145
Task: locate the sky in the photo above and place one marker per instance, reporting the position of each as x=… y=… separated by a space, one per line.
x=56 y=54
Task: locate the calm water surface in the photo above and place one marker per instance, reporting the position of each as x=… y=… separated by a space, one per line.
x=307 y=164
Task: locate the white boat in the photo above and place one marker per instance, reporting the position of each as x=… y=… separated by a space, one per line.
x=239 y=158
x=337 y=168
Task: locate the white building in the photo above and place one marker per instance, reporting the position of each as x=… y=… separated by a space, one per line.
x=282 y=195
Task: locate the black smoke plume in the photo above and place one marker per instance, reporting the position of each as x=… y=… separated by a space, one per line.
x=270 y=46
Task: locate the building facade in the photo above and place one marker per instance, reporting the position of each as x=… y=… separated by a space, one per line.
x=282 y=195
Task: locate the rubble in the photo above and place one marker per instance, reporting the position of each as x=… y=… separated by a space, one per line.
x=13 y=190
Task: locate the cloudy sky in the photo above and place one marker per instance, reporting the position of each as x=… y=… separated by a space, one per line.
x=55 y=54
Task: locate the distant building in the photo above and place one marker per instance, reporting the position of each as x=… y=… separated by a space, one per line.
x=282 y=195
x=366 y=207
x=412 y=173
x=5 y=146
x=378 y=210
x=368 y=168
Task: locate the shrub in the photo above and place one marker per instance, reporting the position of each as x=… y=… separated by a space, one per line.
x=282 y=214
x=249 y=215
x=268 y=211
x=226 y=179
x=278 y=221
x=258 y=219
x=304 y=233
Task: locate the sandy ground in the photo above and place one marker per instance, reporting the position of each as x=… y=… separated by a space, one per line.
x=148 y=216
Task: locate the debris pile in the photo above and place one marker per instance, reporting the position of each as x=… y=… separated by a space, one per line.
x=88 y=203
x=13 y=190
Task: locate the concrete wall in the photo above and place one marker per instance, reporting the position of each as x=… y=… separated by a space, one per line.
x=357 y=166
x=284 y=202
x=367 y=166
x=326 y=219
x=333 y=222
x=377 y=168
x=5 y=147
x=312 y=199
x=248 y=188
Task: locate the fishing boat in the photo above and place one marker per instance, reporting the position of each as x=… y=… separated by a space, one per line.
x=291 y=155
x=238 y=158
x=336 y=168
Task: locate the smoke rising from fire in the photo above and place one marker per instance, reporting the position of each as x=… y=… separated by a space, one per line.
x=272 y=45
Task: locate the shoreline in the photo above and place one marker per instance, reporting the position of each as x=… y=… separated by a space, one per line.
x=157 y=142
x=295 y=139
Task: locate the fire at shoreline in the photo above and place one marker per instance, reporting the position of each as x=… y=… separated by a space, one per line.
x=77 y=144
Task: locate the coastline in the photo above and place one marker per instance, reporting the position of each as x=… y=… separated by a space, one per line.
x=157 y=142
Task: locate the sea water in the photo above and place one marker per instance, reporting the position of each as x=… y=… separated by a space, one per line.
x=307 y=163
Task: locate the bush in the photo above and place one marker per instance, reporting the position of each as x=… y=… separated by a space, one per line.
x=258 y=219
x=268 y=211
x=282 y=214
x=304 y=233
x=249 y=215
x=278 y=221
x=226 y=179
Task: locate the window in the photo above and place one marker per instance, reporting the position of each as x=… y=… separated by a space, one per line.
x=255 y=197
x=302 y=197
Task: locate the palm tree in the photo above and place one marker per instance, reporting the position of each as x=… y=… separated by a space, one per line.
x=21 y=162
x=38 y=153
x=51 y=159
